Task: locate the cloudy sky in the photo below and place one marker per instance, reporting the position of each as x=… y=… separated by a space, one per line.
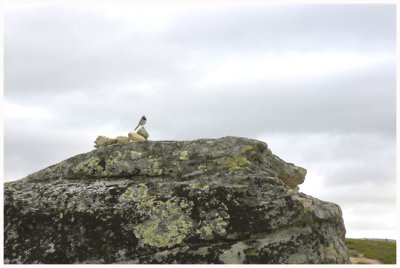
x=316 y=82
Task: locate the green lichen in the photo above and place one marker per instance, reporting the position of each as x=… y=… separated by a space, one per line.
x=220 y=225
x=115 y=157
x=167 y=222
x=138 y=194
x=96 y=166
x=135 y=155
x=236 y=163
x=205 y=232
x=154 y=168
x=199 y=186
x=252 y=153
x=90 y=167
x=248 y=150
x=215 y=225
x=167 y=226
x=184 y=155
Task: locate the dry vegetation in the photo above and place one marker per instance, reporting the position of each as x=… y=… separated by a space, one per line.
x=366 y=250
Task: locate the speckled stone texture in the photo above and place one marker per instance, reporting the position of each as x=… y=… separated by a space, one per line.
x=227 y=200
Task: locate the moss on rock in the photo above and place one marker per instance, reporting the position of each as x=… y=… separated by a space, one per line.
x=236 y=163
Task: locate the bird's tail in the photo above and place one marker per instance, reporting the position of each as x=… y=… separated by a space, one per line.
x=137 y=126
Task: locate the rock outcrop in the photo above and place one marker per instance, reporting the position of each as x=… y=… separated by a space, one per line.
x=227 y=200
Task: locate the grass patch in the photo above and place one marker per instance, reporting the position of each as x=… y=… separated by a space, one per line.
x=384 y=251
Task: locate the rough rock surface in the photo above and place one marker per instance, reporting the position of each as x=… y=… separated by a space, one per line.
x=227 y=200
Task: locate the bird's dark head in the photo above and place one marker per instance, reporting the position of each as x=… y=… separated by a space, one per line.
x=144 y=117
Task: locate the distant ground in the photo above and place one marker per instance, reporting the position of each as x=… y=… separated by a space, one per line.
x=371 y=251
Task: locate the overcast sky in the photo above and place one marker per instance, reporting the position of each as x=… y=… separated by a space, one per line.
x=315 y=82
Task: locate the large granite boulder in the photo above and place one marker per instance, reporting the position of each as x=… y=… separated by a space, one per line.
x=227 y=200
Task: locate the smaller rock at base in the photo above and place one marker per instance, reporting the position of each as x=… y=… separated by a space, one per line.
x=142 y=132
x=122 y=140
x=101 y=141
x=135 y=137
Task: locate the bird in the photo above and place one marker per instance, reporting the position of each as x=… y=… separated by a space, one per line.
x=141 y=122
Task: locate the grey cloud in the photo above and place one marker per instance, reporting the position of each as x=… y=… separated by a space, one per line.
x=337 y=105
x=378 y=169
x=303 y=107
x=322 y=148
x=67 y=49
x=62 y=48
x=352 y=160
x=93 y=61
x=32 y=146
x=370 y=221
x=381 y=194
x=295 y=27
x=340 y=162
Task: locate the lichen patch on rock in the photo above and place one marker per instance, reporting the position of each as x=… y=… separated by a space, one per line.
x=167 y=224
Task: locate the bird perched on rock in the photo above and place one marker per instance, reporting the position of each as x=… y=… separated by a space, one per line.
x=141 y=122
